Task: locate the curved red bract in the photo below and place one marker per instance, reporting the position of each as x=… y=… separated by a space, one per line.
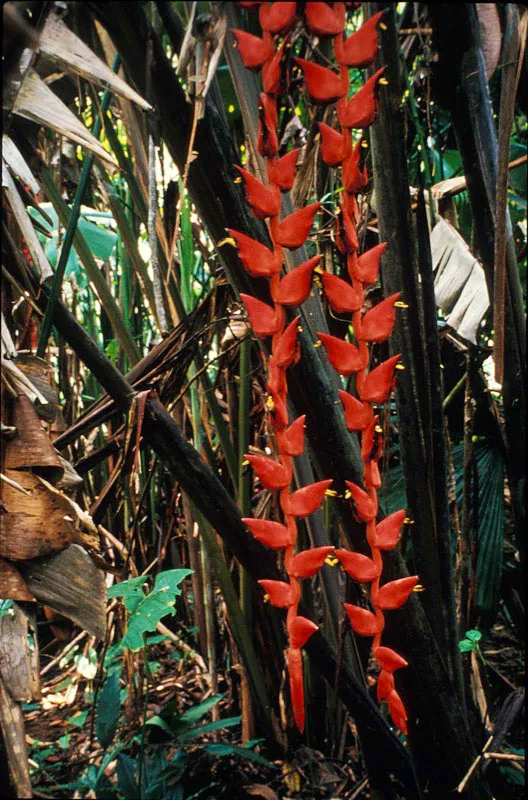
x=345 y=295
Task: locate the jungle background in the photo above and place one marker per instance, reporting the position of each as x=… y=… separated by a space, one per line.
x=137 y=657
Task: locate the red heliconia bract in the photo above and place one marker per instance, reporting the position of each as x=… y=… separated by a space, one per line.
x=323 y=85
x=385 y=685
x=277 y=17
x=377 y=385
x=295 y=287
x=361 y=568
x=387 y=532
x=300 y=629
x=253 y=50
x=357 y=414
x=291 y=441
x=377 y=324
x=343 y=298
x=307 y=499
x=286 y=347
x=279 y=593
x=281 y=171
x=270 y=533
x=345 y=358
x=366 y=268
x=264 y=202
x=293 y=230
x=263 y=318
x=332 y=145
x=360 y=111
x=309 y=562
x=337 y=149
x=395 y=593
x=388 y=659
x=359 y=50
x=322 y=20
x=267 y=139
x=363 y=504
x=363 y=622
x=258 y=259
x=272 y=475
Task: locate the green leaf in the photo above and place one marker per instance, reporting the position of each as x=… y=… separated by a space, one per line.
x=220 y=749
x=78 y=720
x=218 y=725
x=188 y=718
x=474 y=636
x=157 y=722
x=148 y=610
x=126 y=776
x=108 y=710
x=466 y=645
x=5 y=607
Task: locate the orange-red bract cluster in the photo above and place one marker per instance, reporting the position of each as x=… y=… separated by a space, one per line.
x=337 y=149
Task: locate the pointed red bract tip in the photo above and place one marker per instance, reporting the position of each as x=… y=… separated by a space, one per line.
x=395 y=594
x=343 y=356
x=343 y=298
x=300 y=629
x=277 y=17
x=309 y=562
x=262 y=317
x=272 y=534
x=291 y=441
x=285 y=350
x=293 y=230
x=295 y=287
x=279 y=592
x=377 y=324
x=322 y=20
x=253 y=50
x=364 y=506
x=282 y=170
x=377 y=386
x=323 y=85
x=361 y=568
x=363 y=622
x=366 y=267
x=387 y=532
x=271 y=474
x=257 y=259
x=360 y=111
x=264 y=201
x=358 y=415
x=360 y=49
x=274 y=76
x=295 y=671
x=267 y=139
x=385 y=685
x=332 y=145
x=307 y=499
x=388 y=659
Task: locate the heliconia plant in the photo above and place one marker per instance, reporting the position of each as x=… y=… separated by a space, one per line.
x=270 y=54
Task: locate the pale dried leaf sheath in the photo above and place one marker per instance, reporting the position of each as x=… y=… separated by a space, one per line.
x=36 y=101
x=61 y=45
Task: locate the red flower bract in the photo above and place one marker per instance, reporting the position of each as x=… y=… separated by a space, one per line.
x=377 y=324
x=322 y=20
x=342 y=297
x=253 y=50
x=376 y=387
x=332 y=145
x=280 y=593
x=387 y=532
x=282 y=170
x=258 y=259
x=361 y=568
x=272 y=475
x=357 y=414
x=270 y=533
x=277 y=17
x=308 y=499
x=309 y=562
x=300 y=629
x=295 y=287
x=323 y=85
x=363 y=622
x=388 y=659
x=262 y=317
x=359 y=50
x=395 y=593
x=364 y=506
x=294 y=229
x=264 y=202
x=360 y=111
x=343 y=356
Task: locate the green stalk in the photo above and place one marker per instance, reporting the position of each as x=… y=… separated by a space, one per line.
x=71 y=228
x=243 y=476
x=94 y=273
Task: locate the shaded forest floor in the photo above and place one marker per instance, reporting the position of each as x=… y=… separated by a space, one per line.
x=66 y=757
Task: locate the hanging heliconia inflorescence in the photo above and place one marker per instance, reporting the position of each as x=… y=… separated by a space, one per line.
x=270 y=54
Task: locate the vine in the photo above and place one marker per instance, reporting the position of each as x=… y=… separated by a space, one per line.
x=270 y=54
